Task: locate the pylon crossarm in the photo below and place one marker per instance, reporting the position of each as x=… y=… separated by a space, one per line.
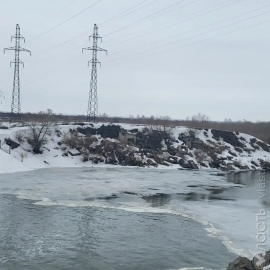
x=9 y=49
x=19 y=62
x=24 y=50
x=18 y=36
x=101 y=50
x=87 y=48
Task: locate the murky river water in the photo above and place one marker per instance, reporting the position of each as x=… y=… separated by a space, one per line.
x=126 y=218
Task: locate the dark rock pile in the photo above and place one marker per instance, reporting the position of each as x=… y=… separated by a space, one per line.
x=219 y=149
x=258 y=263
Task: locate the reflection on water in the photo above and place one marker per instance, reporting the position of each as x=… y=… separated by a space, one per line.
x=57 y=238
x=249 y=190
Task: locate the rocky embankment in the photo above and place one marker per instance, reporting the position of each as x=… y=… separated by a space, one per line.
x=190 y=148
x=130 y=145
x=259 y=262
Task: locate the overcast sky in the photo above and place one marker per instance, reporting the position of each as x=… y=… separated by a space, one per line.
x=165 y=57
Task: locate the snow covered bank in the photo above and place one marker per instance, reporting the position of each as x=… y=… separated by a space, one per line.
x=154 y=148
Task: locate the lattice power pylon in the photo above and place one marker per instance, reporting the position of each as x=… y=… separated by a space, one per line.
x=16 y=101
x=92 y=112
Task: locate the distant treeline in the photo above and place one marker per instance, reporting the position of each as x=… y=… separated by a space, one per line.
x=260 y=130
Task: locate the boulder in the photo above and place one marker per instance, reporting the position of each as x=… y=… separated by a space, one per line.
x=193 y=165
x=91 y=140
x=11 y=143
x=238 y=149
x=241 y=263
x=266 y=166
x=232 y=153
x=228 y=137
x=203 y=165
x=245 y=167
x=110 y=131
x=74 y=152
x=190 y=165
x=258 y=262
x=173 y=160
x=151 y=162
x=109 y=145
x=230 y=167
x=254 y=163
x=111 y=157
x=264 y=146
x=215 y=163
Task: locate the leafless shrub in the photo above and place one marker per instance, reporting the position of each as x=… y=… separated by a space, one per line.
x=220 y=148
x=85 y=155
x=19 y=137
x=37 y=136
x=237 y=163
x=87 y=141
x=200 y=155
x=71 y=139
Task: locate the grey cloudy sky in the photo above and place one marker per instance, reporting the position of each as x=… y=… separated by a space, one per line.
x=165 y=57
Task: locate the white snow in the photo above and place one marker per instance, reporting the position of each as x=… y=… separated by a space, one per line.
x=52 y=154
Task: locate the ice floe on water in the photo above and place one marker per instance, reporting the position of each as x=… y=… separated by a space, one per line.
x=232 y=220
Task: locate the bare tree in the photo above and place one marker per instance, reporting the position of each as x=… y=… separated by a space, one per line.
x=37 y=136
x=71 y=139
x=165 y=120
x=49 y=111
x=200 y=118
x=152 y=121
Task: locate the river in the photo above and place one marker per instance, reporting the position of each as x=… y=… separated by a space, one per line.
x=124 y=218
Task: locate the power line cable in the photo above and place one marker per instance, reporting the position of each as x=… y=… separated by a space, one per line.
x=182 y=21
x=84 y=44
x=196 y=42
x=250 y=26
x=199 y=41
x=112 y=19
x=158 y=11
x=144 y=18
x=84 y=33
x=196 y=29
x=77 y=14
x=124 y=41
x=78 y=36
x=52 y=16
x=162 y=24
x=51 y=72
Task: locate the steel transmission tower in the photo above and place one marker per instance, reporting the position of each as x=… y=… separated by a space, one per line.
x=92 y=112
x=16 y=102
